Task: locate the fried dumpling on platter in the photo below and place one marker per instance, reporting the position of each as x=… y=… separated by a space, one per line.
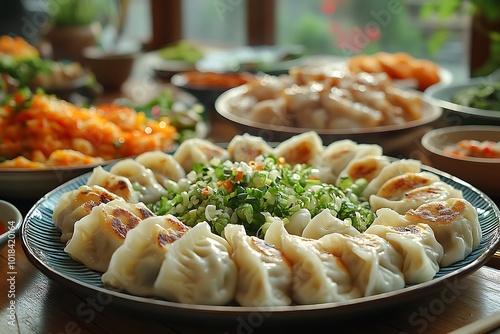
x=371 y=260
x=142 y=178
x=264 y=274
x=437 y=191
x=344 y=113
x=396 y=187
x=366 y=167
x=334 y=158
x=76 y=204
x=325 y=223
x=455 y=223
x=196 y=150
x=300 y=149
x=116 y=184
x=135 y=265
x=198 y=269
x=163 y=165
x=246 y=147
x=270 y=112
x=97 y=235
x=393 y=169
x=318 y=276
x=421 y=252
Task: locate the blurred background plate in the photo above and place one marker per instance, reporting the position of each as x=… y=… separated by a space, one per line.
x=267 y=59
x=32 y=184
x=442 y=96
x=391 y=137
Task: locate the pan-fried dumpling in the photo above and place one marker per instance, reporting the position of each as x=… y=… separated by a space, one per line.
x=396 y=187
x=116 y=184
x=198 y=269
x=371 y=260
x=142 y=179
x=318 y=276
x=195 y=150
x=97 y=235
x=246 y=147
x=135 y=265
x=264 y=274
x=325 y=223
x=437 y=191
x=334 y=159
x=269 y=112
x=300 y=149
x=76 y=204
x=163 y=165
x=393 y=169
x=456 y=226
x=417 y=244
x=366 y=167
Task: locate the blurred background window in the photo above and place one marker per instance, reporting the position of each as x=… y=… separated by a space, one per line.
x=435 y=29
x=219 y=22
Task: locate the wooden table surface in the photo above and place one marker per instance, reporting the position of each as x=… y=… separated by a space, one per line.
x=30 y=302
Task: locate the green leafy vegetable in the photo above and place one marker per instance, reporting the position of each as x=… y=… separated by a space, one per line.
x=485 y=96
x=239 y=193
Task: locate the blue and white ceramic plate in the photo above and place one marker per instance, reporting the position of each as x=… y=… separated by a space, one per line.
x=40 y=240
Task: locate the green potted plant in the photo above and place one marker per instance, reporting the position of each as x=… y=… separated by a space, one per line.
x=75 y=25
x=485 y=30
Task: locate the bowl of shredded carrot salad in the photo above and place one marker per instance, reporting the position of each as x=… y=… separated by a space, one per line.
x=45 y=141
x=40 y=131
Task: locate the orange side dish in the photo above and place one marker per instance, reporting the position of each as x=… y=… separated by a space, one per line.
x=399 y=65
x=17 y=47
x=46 y=131
x=474 y=149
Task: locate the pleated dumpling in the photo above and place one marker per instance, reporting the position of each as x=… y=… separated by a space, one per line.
x=371 y=260
x=455 y=223
x=325 y=223
x=300 y=149
x=396 y=187
x=366 y=167
x=163 y=165
x=264 y=274
x=116 y=184
x=421 y=252
x=76 y=204
x=196 y=150
x=437 y=191
x=198 y=269
x=334 y=158
x=97 y=235
x=135 y=265
x=298 y=221
x=318 y=276
x=393 y=169
x=142 y=178
x=246 y=147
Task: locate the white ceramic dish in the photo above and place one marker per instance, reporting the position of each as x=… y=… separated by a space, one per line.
x=390 y=137
x=11 y=219
x=40 y=240
x=480 y=172
x=442 y=97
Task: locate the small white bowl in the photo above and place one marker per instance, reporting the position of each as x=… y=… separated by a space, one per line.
x=482 y=173
x=11 y=219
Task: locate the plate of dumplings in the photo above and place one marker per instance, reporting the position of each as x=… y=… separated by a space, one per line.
x=292 y=228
